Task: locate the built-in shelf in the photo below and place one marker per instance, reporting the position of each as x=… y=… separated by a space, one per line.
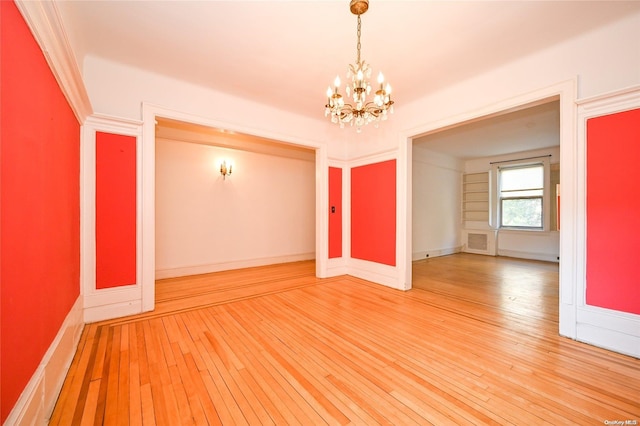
x=475 y=197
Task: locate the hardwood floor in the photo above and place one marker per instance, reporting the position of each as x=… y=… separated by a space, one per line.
x=475 y=342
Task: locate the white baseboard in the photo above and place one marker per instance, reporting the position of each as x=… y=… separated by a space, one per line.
x=337 y=267
x=547 y=257
x=112 y=310
x=609 y=339
x=38 y=399
x=419 y=255
x=109 y=303
x=226 y=266
x=375 y=272
x=609 y=329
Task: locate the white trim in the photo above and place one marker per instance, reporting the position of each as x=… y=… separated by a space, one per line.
x=366 y=158
x=338 y=266
x=107 y=310
x=375 y=272
x=43 y=18
x=494 y=190
x=226 y=266
x=545 y=257
x=614 y=330
x=390 y=276
x=566 y=91
x=147 y=191
x=37 y=401
x=110 y=296
x=617 y=100
x=608 y=339
x=322 y=211
x=106 y=303
x=421 y=255
x=373 y=159
x=404 y=212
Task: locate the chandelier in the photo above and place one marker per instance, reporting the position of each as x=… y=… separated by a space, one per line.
x=361 y=111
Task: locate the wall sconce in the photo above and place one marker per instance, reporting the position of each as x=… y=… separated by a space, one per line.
x=224 y=170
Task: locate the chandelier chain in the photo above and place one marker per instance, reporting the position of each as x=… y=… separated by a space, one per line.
x=359 y=45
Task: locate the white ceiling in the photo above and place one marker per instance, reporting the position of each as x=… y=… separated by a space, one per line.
x=527 y=129
x=286 y=53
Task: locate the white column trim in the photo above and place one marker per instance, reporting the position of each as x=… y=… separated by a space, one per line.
x=119 y=301
x=614 y=330
x=390 y=276
x=338 y=266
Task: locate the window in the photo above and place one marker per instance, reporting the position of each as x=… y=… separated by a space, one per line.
x=521 y=191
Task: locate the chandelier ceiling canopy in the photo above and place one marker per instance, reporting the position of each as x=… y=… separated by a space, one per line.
x=363 y=110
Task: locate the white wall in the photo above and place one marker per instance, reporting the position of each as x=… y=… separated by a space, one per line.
x=436 y=204
x=263 y=213
x=119 y=90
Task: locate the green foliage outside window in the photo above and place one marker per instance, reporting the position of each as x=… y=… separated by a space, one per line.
x=522 y=212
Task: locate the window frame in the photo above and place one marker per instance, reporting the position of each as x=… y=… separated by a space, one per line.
x=496 y=204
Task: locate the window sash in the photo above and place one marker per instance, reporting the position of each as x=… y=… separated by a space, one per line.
x=522 y=177
x=540 y=221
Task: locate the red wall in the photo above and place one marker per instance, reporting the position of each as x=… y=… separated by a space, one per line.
x=115 y=210
x=613 y=218
x=335 y=212
x=39 y=207
x=373 y=212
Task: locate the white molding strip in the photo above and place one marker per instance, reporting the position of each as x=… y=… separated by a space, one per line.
x=373 y=159
x=45 y=23
x=226 y=266
x=36 y=403
x=618 y=100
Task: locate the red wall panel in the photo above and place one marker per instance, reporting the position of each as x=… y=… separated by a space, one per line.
x=613 y=155
x=40 y=206
x=373 y=212
x=115 y=210
x=335 y=212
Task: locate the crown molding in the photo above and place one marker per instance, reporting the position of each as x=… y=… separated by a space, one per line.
x=45 y=23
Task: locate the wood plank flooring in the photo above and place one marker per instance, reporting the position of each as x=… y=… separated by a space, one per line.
x=475 y=342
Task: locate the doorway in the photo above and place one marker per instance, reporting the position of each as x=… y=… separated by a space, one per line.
x=565 y=94
x=153 y=115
